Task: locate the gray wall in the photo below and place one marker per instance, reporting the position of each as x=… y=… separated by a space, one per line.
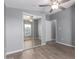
x=65 y=25
x=14 y=29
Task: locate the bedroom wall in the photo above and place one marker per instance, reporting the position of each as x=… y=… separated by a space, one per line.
x=65 y=25
x=14 y=32
x=14 y=29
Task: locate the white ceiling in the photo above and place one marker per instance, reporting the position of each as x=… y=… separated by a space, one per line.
x=33 y=4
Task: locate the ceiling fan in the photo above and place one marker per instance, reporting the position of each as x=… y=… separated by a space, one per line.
x=55 y=4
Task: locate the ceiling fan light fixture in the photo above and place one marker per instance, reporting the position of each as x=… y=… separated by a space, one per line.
x=54 y=6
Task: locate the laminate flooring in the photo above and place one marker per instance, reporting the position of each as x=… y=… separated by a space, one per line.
x=49 y=51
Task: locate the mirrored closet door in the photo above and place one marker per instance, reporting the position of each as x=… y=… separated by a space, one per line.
x=31 y=32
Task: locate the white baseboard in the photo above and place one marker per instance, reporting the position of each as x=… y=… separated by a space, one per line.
x=65 y=44
x=17 y=51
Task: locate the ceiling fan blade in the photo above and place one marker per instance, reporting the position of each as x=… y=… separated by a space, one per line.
x=63 y=1
x=63 y=8
x=51 y=10
x=43 y=5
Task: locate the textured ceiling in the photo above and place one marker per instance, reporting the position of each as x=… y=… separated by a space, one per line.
x=33 y=4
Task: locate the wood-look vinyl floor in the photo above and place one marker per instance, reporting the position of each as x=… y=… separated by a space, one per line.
x=49 y=51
